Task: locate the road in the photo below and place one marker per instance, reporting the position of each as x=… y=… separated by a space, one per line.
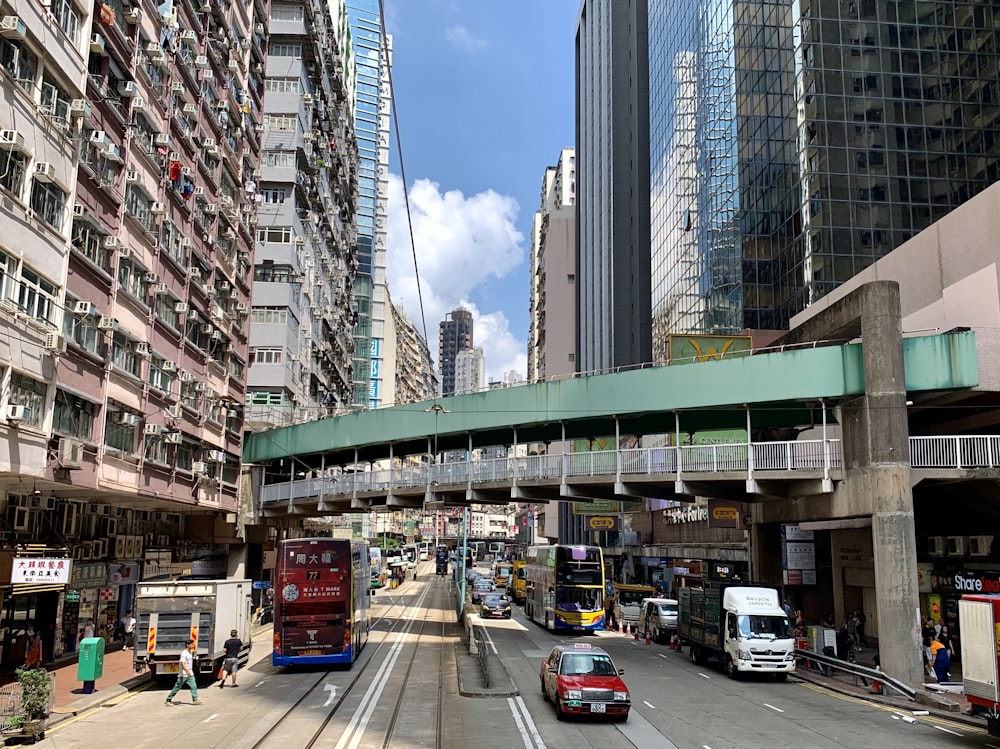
x=403 y=692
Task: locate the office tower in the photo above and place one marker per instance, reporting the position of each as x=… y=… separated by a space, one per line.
x=301 y=347
x=373 y=57
x=612 y=152
x=552 y=334
x=454 y=335
x=415 y=379
x=792 y=145
x=470 y=371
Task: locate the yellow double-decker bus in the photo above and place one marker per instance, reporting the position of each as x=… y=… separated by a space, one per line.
x=516 y=585
x=564 y=587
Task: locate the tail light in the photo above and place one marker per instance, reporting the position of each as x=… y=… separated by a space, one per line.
x=347 y=635
x=277 y=642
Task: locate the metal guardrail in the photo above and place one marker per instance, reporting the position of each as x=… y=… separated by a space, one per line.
x=858 y=671
x=482 y=653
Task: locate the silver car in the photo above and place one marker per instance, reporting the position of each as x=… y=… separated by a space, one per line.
x=658 y=617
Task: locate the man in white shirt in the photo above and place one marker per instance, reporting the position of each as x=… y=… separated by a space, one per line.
x=128 y=626
x=185 y=676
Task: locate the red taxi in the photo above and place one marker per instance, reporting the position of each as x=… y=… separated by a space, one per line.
x=582 y=680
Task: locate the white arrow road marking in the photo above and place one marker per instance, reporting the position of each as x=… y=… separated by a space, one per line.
x=213 y=716
x=948 y=730
x=332 y=689
x=652 y=707
x=663 y=655
x=704 y=676
x=258 y=684
x=776 y=709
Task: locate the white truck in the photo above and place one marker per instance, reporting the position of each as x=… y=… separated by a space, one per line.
x=742 y=626
x=169 y=613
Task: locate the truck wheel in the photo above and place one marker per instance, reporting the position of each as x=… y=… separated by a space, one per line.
x=731 y=670
x=693 y=654
x=781 y=677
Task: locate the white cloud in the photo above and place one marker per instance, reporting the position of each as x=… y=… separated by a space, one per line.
x=462 y=243
x=461 y=38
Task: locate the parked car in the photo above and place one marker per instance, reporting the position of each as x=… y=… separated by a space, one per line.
x=495 y=605
x=658 y=617
x=580 y=679
x=480 y=589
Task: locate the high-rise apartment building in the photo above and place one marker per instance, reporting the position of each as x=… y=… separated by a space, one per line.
x=793 y=144
x=129 y=141
x=470 y=371
x=612 y=152
x=454 y=335
x=373 y=57
x=415 y=379
x=300 y=344
x=552 y=334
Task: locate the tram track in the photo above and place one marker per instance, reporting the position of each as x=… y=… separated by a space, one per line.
x=350 y=735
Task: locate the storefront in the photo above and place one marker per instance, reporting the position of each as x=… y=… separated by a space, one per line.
x=943 y=588
x=30 y=604
x=87 y=599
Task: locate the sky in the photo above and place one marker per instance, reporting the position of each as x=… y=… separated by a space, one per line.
x=484 y=97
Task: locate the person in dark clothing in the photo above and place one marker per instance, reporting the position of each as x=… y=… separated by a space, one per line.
x=862 y=619
x=927 y=632
x=231 y=661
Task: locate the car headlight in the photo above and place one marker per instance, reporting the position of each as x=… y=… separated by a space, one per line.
x=789 y=656
x=621 y=696
x=572 y=694
x=743 y=655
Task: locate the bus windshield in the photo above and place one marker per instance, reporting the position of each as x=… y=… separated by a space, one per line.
x=578 y=599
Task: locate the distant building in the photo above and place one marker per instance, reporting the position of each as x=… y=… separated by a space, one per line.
x=470 y=371
x=454 y=335
x=415 y=379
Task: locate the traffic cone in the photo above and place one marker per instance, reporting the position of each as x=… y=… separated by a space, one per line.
x=635 y=632
x=673 y=643
x=647 y=637
x=876 y=687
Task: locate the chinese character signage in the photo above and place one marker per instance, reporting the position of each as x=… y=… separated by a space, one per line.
x=41 y=570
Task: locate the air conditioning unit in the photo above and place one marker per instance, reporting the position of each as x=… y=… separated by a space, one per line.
x=199 y=193
x=12 y=27
x=195 y=273
x=107 y=323
x=188 y=36
x=160 y=289
x=169 y=365
x=181 y=308
x=121 y=542
x=208 y=75
x=979 y=546
x=150 y=277
x=174 y=438
x=127 y=418
x=15 y=413
x=132 y=176
x=79 y=108
x=199 y=466
x=45 y=171
x=153 y=48
x=207 y=288
x=68 y=514
x=226 y=201
x=83 y=308
x=55 y=342
x=127 y=88
x=955 y=546
x=300 y=241
x=201 y=62
x=11 y=139
x=133 y=14
x=138 y=104
x=211 y=208
x=152 y=430
x=162 y=139
x=175 y=411
x=141 y=348
x=111 y=242
x=187 y=377
x=190 y=110
x=70 y=453
x=157 y=208
x=23 y=519
x=97 y=44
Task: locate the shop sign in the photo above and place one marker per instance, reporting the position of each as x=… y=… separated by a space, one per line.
x=792 y=532
x=602 y=523
x=725 y=514
x=89 y=575
x=800 y=577
x=72 y=596
x=217 y=567
x=41 y=570
x=800 y=556
x=724 y=571
x=597 y=507
x=976 y=582
x=123 y=574
x=679 y=515
x=685 y=349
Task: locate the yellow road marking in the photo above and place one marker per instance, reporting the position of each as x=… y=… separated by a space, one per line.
x=91 y=711
x=897 y=710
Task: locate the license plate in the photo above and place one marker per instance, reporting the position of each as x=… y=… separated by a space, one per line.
x=598 y=707
x=574 y=703
x=312 y=652
x=171 y=668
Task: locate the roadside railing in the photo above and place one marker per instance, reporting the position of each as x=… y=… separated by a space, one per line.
x=863 y=673
x=482 y=653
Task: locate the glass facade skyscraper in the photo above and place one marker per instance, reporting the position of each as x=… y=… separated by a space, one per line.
x=795 y=142
x=371 y=126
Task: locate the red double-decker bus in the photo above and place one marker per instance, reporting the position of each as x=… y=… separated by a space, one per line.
x=320 y=601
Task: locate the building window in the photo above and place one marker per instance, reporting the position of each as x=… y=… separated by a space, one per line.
x=282 y=122
x=55 y=103
x=273 y=273
x=184 y=456
x=120 y=426
x=274 y=196
x=89 y=242
x=236 y=367
x=285 y=50
x=164 y=307
x=270 y=315
x=170 y=242
x=278 y=159
x=73 y=416
x=160 y=378
x=67 y=18
x=20 y=62
x=36 y=296
x=27 y=391
x=282 y=85
x=288 y=13
x=81 y=329
x=12 y=165
x=265 y=355
x=155 y=449
x=130 y=279
x=138 y=205
x=48 y=201
x=123 y=355
x=275 y=234
x=265 y=398
x=189 y=395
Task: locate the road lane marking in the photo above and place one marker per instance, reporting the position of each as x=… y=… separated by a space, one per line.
x=213 y=716
x=704 y=676
x=651 y=707
x=258 y=684
x=525 y=725
x=948 y=730
x=332 y=689
x=776 y=709
x=530 y=723
x=663 y=655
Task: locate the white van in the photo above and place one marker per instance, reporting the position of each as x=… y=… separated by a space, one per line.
x=658 y=617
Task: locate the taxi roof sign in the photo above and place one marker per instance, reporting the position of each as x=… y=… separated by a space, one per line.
x=581 y=646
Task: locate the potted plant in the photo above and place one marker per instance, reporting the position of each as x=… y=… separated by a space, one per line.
x=36 y=689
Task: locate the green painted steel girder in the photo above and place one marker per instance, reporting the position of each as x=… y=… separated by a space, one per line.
x=782 y=390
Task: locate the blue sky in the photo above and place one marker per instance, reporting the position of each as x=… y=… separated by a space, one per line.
x=484 y=93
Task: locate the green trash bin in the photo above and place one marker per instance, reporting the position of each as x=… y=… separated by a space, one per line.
x=90 y=666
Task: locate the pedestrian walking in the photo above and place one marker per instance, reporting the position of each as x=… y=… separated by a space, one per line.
x=185 y=676
x=231 y=661
x=940 y=659
x=128 y=626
